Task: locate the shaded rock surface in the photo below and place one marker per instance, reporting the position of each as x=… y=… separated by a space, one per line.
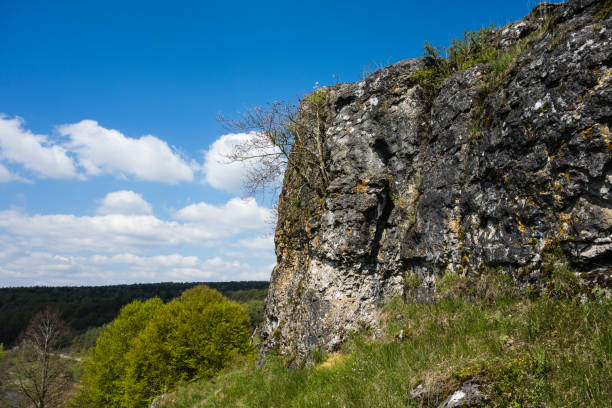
x=459 y=180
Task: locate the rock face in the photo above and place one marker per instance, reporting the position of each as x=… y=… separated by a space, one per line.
x=468 y=177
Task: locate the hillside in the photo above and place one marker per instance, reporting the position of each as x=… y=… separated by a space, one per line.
x=482 y=343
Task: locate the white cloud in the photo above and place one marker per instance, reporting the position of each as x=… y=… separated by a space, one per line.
x=236 y=214
x=90 y=148
x=200 y=225
x=263 y=243
x=218 y=171
x=100 y=150
x=261 y=247
x=223 y=174
x=6 y=175
x=124 y=202
x=104 y=233
x=43 y=268
x=65 y=249
x=34 y=152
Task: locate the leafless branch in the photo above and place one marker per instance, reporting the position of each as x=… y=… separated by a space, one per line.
x=40 y=373
x=283 y=136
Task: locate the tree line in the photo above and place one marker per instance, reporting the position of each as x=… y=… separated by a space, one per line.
x=93 y=306
x=148 y=349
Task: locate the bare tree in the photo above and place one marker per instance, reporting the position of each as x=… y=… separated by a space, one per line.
x=41 y=375
x=283 y=136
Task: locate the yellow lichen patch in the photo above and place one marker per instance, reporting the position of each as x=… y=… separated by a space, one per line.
x=565 y=221
x=454 y=225
x=363 y=187
x=605 y=135
x=586 y=133
x=527 y=130
x=604 y=79
x=349 y=231
x=530 y=201
x=521 y=227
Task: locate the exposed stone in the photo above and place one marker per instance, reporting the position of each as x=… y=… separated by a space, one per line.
x=417 y=392
x=159 y=401
x=468 y=395
x=459 y=181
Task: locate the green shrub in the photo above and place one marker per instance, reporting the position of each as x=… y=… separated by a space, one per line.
x=81 y=343
x=106 y=368
x=151 y=347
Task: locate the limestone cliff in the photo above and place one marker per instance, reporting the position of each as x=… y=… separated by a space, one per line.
x=485 y=171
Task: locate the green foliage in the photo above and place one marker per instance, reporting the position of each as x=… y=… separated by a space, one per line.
x=317 y=96
x=560 y=280
x=81 y=343
x=151 y=347
x=417 y=177
x=1 y=351
x=474 y=48
x=411 y=281
x=105 y=370
x=86 y=307
x=512 y=381
x=524 y=351
x=604 y=11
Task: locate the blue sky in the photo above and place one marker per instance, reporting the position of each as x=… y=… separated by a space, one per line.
x=110 y=153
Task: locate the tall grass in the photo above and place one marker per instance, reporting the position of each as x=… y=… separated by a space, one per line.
x=524 y=350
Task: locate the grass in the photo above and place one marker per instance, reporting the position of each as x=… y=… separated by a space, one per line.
x=525 y=350
x=604 y=11
x=474 y=48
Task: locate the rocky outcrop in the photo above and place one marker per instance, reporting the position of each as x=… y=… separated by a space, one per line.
x=487 y=171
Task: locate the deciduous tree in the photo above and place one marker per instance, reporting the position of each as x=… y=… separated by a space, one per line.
x=152 y=347
x=40 y=374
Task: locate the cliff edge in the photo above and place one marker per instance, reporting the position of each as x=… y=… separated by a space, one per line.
x=490 y=168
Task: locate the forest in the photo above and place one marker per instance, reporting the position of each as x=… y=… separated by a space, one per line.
x=151 y=345
x=86 y=307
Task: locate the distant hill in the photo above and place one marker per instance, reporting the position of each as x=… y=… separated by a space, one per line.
x=83 y=307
